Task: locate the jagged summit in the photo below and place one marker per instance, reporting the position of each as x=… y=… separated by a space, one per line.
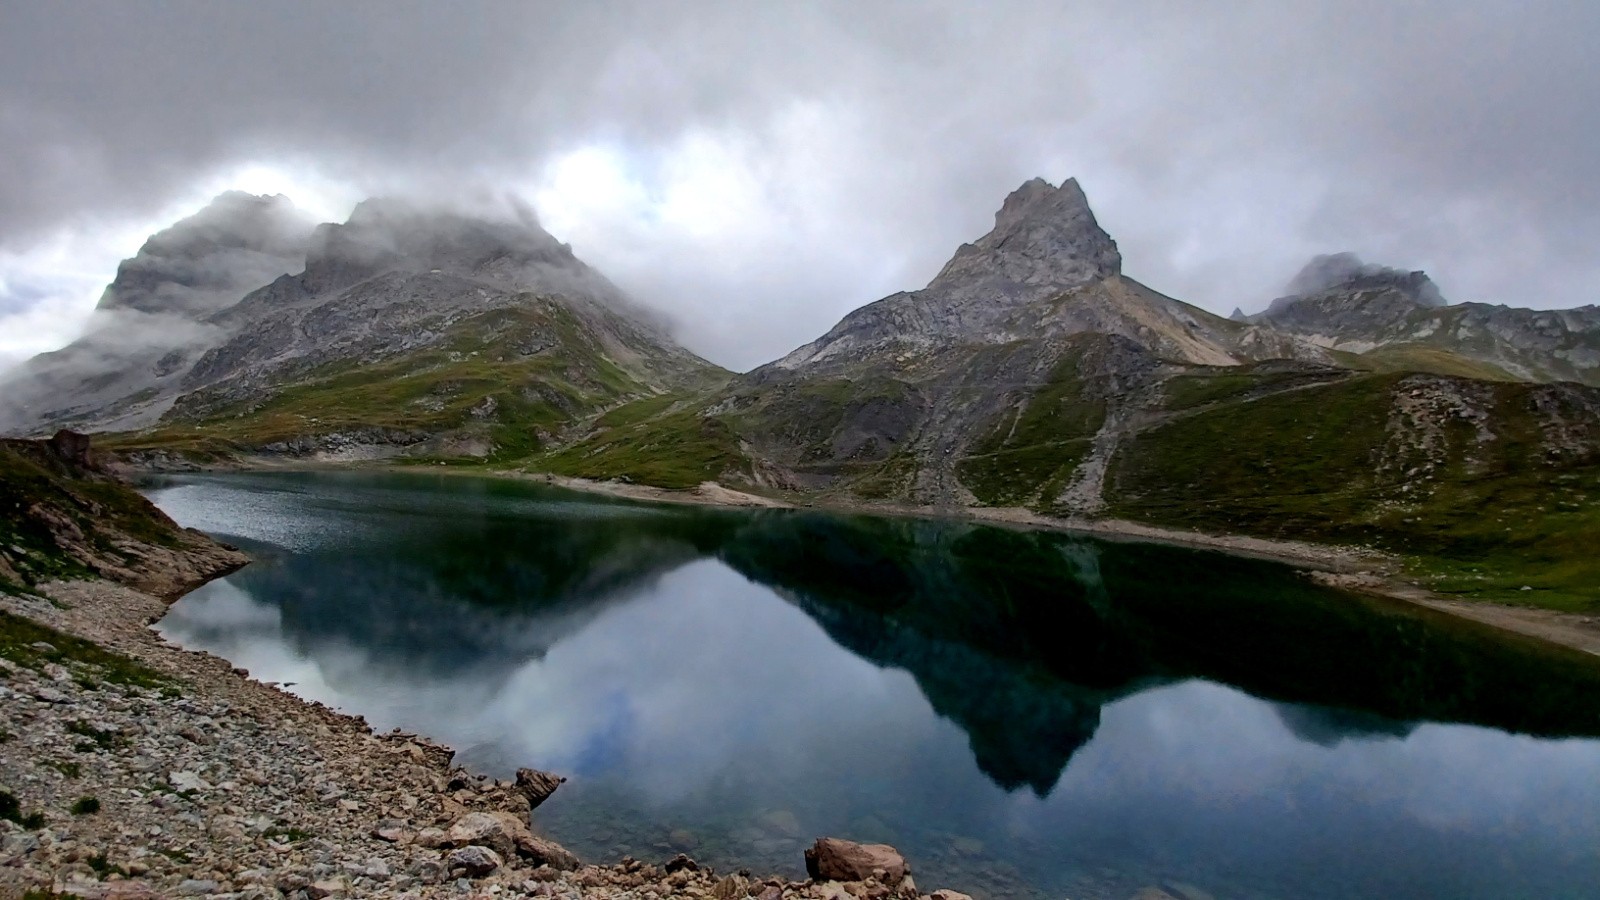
x=1336 y=282
x=205 y=261
x=388 y=234
x=1346 y=270
x=1043 y=235
x=1045 y=243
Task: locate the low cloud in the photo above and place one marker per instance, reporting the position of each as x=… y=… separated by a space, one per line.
x=759 y=170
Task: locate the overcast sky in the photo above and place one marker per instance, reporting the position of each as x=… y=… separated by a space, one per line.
x=758 y=168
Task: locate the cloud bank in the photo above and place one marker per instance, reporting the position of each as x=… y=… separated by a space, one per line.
x=758 y=170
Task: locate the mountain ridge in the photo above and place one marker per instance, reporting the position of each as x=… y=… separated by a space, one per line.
x=1031 y=372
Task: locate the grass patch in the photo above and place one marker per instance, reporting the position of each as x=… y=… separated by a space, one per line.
x=98 y=738
x=677 y=450
x=1428 y=360
x=67 y=768
x=19 y=637
x=85 y=806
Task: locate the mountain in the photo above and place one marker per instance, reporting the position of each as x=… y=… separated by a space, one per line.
x=151 y=322
x=1392 y=320
x=1029 y=346
x=1032 y=373
x=1046 y=270
x=404 y=328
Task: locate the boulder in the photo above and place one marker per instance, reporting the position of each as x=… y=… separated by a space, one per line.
x=509 y=836
x=473 y=861
x=945 y=894
x=71 y=448
x=482 y=829
x=833 y=859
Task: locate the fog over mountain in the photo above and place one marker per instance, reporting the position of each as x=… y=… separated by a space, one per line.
x=756 y=171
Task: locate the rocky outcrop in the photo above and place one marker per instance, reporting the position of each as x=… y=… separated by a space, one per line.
x=68 y=517
x=537 y=786
x=1046 y=270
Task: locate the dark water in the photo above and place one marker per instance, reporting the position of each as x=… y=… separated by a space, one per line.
x=1023 y=714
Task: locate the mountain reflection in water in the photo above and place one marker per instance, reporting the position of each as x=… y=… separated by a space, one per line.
x=732 y=682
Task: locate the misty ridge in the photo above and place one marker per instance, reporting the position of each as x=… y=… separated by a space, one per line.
x=213 y=275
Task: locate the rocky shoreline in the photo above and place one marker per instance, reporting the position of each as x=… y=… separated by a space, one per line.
x=134 y=769
x=131 y=768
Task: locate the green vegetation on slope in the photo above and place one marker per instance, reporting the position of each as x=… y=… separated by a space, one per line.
x=1470 y=487
x=30 y=645
x=509 y=376
x=677 y=449
x=1028 y=453
x=1427 y=360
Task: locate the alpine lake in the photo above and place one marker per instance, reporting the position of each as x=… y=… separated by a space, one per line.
x=1023 y=714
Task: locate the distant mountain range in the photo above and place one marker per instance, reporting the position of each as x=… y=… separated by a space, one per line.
x=1030 y=372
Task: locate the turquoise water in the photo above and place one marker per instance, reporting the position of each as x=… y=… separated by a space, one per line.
x=1021 y=713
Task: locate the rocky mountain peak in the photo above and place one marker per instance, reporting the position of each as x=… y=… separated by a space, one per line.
x=1043 y=235
x=209 y=259
x=1346 y=272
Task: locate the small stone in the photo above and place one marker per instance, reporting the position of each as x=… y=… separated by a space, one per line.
x=327 y=887
x=681 y=863
x=50 y=695
x=188 y=781
x=197 y=887
x=392 y=830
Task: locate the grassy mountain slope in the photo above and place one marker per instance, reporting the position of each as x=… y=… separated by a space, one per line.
x=499 y=385
x=1486 y=487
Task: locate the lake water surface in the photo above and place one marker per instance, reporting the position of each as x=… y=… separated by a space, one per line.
x=1021 y=713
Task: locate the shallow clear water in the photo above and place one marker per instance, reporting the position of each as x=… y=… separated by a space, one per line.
x=1022 y=714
